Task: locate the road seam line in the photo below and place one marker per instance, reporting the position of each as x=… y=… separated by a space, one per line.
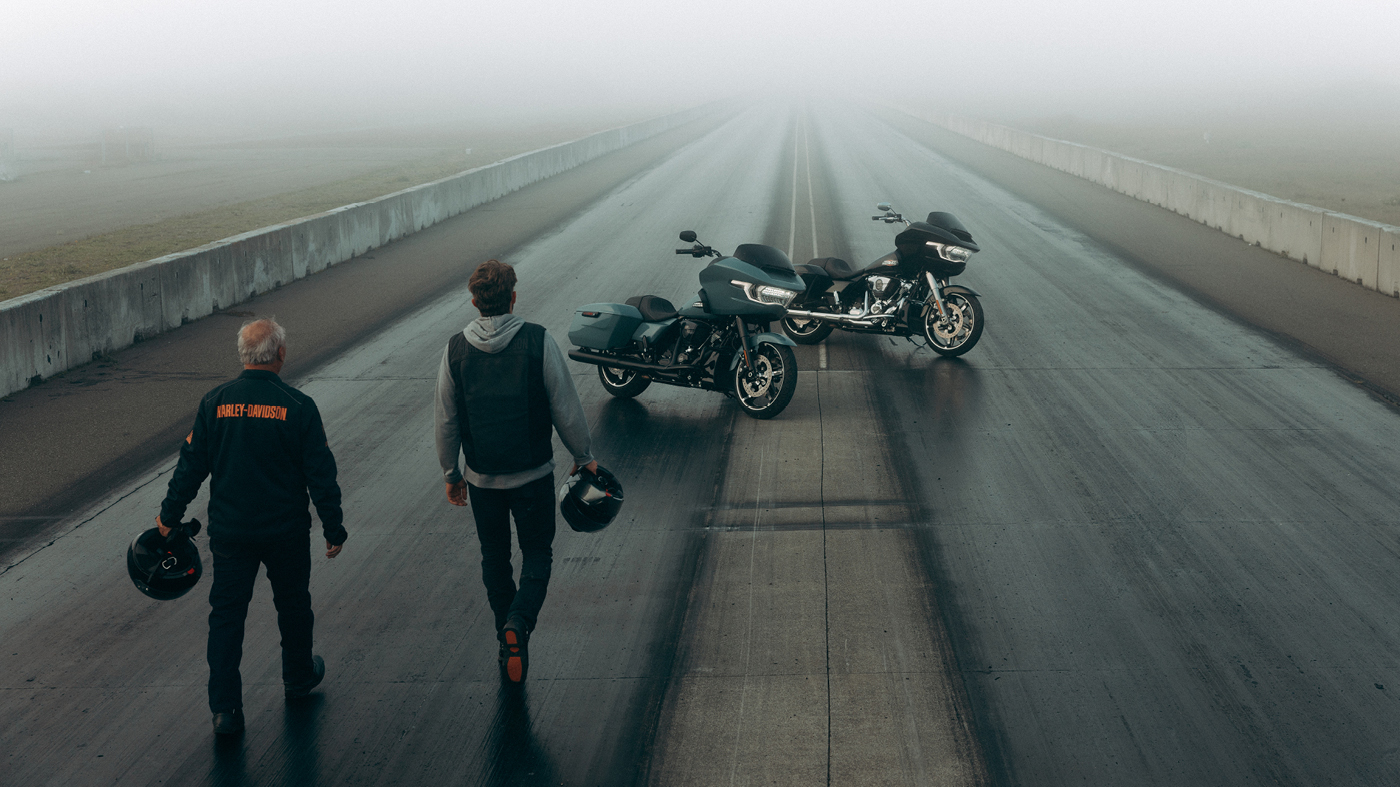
x=95 y=515
x=748 y=641
x=811 y=201
x=792 y=220
x=826 y=575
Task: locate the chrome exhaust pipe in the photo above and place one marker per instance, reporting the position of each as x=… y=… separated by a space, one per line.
x=863 y=320
x=858 y=320
x=843 y=319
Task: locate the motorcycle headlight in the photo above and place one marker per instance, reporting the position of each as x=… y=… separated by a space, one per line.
x=762 y=293
x=950 y=253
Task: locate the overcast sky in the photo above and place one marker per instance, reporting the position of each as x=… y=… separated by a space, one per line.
x=175 y=62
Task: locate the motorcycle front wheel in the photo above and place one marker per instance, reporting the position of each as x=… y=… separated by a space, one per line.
x=622 y=383
x=804 y=331
x=961 y=329
x=765 y=387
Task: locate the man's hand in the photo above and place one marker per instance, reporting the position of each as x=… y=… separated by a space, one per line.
x=164 y=531
x=591 y=467
x=333 y=549
x=457 y=493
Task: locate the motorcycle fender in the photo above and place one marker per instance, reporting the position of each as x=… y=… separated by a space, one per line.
x=961 y=290
x=756 y=339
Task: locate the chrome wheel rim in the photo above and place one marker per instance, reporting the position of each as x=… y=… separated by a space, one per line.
x=954 y=329
x=801 y=326
x=617 y=377
x=760 y=383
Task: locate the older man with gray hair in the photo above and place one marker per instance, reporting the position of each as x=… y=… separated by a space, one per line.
x=262 y=444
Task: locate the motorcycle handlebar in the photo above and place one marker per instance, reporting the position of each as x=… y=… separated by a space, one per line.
x=685 y=251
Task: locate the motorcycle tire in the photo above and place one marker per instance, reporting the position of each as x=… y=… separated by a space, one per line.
x=960 y=333
x=622 y=383
x=807 y=331
x=765 y=389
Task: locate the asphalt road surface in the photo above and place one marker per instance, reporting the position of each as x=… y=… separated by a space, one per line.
x=1129 y=539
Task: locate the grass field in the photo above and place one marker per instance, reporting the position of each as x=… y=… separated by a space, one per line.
x=1353 y=169
x=182 y=189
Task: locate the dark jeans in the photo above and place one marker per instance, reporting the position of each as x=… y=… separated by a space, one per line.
x=236 y=565
x=533 y=508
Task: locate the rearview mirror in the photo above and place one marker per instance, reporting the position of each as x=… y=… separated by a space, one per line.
x=688 y=236
x=885 y=206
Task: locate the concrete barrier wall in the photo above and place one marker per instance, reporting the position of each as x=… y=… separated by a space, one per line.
x=46 y=332
x=7 y=154
x=1355 y=249
x=1351 y=248
x=1388 y=273
x=126 y=145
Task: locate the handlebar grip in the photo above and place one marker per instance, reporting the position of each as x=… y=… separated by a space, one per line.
x=876 y=218
x=685 y=251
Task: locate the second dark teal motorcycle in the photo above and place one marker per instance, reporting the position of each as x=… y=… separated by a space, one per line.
x=721 y=342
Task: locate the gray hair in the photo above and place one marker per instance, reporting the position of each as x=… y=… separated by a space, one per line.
x=259 y=340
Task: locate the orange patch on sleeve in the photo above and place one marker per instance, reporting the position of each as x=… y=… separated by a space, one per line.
x=189 y=438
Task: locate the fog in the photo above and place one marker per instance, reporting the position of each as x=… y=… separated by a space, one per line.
x=226 y=68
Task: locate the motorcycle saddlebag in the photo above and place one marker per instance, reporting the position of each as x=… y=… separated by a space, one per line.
x=604 y=326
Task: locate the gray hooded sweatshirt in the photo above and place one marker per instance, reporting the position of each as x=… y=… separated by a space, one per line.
x=492 y=334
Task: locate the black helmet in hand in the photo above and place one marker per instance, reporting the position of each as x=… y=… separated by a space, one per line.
x=590 y=501
x=165 y=567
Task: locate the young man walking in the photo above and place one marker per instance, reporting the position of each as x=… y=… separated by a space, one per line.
x=503 y=386
x=262 y=444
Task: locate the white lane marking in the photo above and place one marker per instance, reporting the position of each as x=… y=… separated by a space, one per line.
x=792 y=221
x=821 y=355
x=811 y=203
x=748 y=640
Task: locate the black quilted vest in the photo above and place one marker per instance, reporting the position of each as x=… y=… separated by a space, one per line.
x=502 y=405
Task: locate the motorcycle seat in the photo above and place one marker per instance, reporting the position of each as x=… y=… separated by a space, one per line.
x=836 y=268
x=654 y=308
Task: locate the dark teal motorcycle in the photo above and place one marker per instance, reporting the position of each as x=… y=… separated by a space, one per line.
x=721 y=342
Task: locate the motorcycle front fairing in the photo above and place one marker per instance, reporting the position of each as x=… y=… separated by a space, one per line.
x=728 y=299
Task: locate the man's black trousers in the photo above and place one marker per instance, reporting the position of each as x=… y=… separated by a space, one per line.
x=236 y=566
x=533 y=508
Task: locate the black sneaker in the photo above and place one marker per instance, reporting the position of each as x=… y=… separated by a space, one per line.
x=318 y=669
x=228 y=722
x=514 y=658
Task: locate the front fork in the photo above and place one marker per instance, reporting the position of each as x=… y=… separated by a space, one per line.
x=743 y=340
x=936 y=293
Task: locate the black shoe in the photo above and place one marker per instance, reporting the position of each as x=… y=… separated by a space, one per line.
x=514 y=658
x=318 y=668
x=228 y=722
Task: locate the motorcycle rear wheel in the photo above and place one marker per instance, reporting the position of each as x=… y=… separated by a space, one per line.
x=764 y=389
x=805 y=331
x=957 y=334
x=622 y=383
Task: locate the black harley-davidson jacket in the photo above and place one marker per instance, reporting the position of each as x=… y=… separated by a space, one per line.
x=262 y=444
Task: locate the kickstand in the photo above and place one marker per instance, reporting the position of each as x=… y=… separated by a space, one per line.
x=917 y=345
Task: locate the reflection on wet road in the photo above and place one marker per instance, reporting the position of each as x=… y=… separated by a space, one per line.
x=1125 y=540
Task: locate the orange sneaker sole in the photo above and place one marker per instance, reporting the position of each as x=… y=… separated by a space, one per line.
x=514 y=666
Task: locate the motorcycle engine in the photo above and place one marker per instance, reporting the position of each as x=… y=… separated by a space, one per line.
x=882 y=286
x=692 y=340
x=889 y=294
